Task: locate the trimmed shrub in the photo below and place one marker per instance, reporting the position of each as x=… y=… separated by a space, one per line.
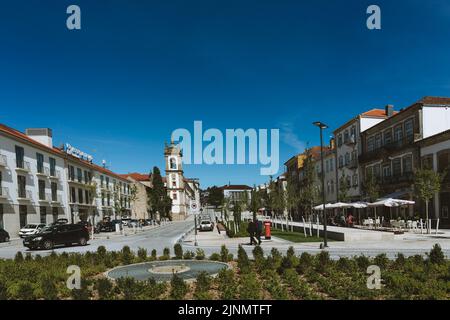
x=48 y=287
x=249 y=287
x=104 y=288
x=224 y=254
x=166 y=254
x=214 y=257
x=83 y=293
x=142 y=254
x=189 y=255
x=381 y=260
x=126 y=255
x=178 y=287
x=178 y=250
x=19 y=257
x=436 y=256
x=203 y=284
x=243 y=261
x=200 y=254
x=154 y=255
x=21 y=290
x=228 y=287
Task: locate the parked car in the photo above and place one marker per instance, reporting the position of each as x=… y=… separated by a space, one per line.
x=106 y=226
x=60 y=221
x=87 y=225
x=30 y=229
x=206 y=225
x=51 y=236
x=133 y=223
x=4 y=235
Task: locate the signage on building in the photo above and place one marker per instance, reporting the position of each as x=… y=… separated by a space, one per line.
x=77 y=153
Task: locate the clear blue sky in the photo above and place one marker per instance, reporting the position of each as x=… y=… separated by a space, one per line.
x=140 y=69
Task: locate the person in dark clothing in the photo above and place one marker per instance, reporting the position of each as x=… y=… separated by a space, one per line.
x=258 y=231
x=251 y=232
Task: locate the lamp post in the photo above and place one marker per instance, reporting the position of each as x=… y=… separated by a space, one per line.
x=323 y=126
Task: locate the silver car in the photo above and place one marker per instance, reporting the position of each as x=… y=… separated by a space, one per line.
x=30 y=229
x=206 y=225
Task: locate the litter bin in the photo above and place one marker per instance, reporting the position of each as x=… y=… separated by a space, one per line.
x=267 y=225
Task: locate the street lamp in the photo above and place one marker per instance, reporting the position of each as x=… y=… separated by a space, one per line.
x=323 y=126
x=195 y=219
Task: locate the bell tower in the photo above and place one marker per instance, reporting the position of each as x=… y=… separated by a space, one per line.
x=175 y=180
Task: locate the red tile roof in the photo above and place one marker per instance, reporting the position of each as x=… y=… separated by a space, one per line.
x=435 y=100
x=236 y=187
x=136 y=176
x=377 y=113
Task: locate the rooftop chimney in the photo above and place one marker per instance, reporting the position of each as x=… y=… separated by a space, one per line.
x=41 y=135
x=389 y=110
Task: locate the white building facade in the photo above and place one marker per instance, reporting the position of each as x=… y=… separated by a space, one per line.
x=40 y=183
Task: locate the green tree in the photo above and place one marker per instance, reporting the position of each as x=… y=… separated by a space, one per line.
x=159 y=200
x=255 y=202
x=343 y=188
x=292 y=194
x=215 y=197
x=370 y=187
x=308 y=190
x=426 y=183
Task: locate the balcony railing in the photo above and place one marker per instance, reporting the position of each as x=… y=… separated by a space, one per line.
x=44 y=171
x=24 y=194
x=55 y=175
x=46 y=197
x=387 y=148
x=57 y=199
x=3 y=161
x=4 y=193
x=24 y=166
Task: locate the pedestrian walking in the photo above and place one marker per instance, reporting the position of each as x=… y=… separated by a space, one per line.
x=251 y=232
x=258 y=231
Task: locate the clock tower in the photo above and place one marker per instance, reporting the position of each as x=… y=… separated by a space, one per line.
x=175 y=180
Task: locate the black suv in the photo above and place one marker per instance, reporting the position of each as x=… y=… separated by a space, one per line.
x=65 y=234
x=4 y=236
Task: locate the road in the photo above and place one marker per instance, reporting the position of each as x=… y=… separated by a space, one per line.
x=157 y=238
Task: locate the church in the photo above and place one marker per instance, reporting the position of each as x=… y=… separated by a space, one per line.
x=184 y=192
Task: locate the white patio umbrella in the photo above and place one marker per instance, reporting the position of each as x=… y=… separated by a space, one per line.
x=390 y=202
x=359 y=205
x=320 y=206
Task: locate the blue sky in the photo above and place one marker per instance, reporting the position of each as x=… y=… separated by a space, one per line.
x=140 y=69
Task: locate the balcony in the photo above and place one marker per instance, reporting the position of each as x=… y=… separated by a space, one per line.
x=23 y=166
x=353 y=164
x=4 y=193
x=407 y=177
x=3 y=161
x=43 y=172
x=386 y=149
x=57 y=200
x=350 y=141
x=76 y=180
x=45 y=197
x=56 y=175
x=24 y=195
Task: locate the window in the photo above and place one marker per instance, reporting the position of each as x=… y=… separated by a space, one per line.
x=108 y=199
x=355 y=180
x=377 y=170
x=52 y=167
x=174 y=196
x=73 y=196
x=341 y=161
x=348 y=181
x=346 y=136
x=370 y=144
x=388 y=137
x=21 y=182
x=174 y=184
x=347 y=158
x=331 y=164
x=80 y=195
x=396 y=167
x=443 y=163
x=86 y=177
x=407 y=164
x=40 y=162
x=19 y=157
x=54 y=187
x=353 y=133
x=409 y=128
x=107 y=182
x=23 y=215
x=340 y=139
x=398 y=133
x=387 y=171
x=101 y=181
x=86 y=196
x=103 y=198
x=378 y=141
x=79 y=175
x=427 y=162
x=41 y=184
x=71 y=173
x=173 y=163
x=43 y=214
